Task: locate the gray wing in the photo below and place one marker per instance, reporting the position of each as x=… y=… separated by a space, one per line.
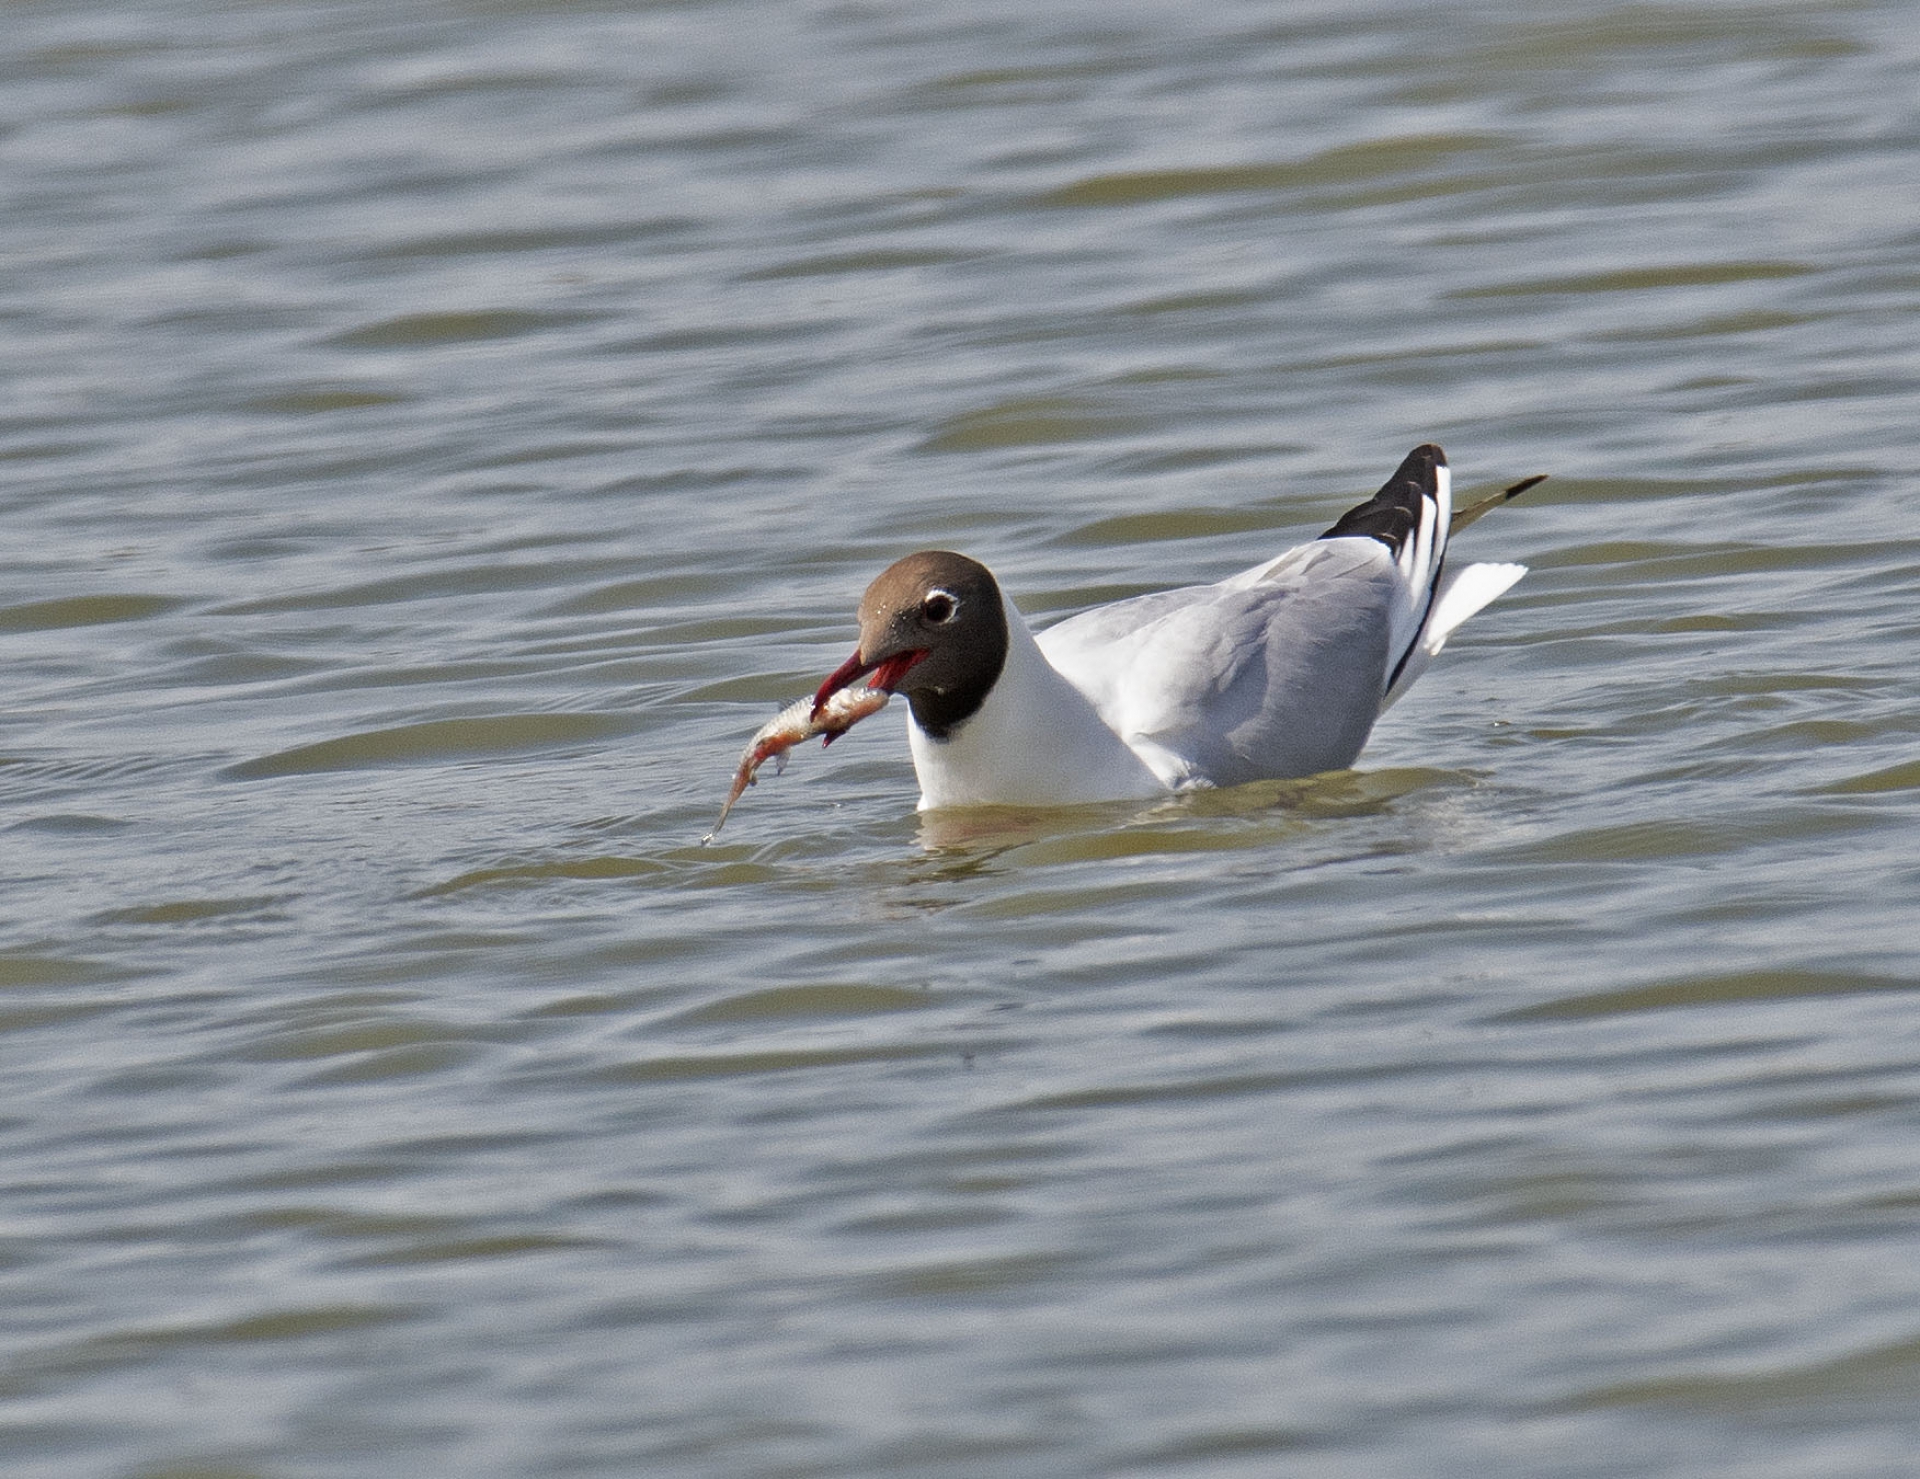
x=1276 y=673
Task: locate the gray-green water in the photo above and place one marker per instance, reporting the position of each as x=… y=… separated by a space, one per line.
x=434 y=436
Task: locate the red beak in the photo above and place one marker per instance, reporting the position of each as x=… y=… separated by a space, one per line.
x=887 y=674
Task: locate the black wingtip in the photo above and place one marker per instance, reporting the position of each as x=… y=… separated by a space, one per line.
x=1392 y=515
x=1472 y=513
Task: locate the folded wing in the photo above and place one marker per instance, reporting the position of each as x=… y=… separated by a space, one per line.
x=1282 y=669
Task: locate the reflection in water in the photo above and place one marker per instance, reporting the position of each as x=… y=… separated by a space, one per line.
x=1178 y=823
x=977 y=832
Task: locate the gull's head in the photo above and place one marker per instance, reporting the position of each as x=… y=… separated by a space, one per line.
x=932 y=627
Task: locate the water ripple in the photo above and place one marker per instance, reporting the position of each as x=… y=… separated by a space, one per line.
x=432 y=447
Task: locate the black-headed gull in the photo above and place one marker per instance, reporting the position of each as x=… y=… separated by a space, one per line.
x=1279 y=671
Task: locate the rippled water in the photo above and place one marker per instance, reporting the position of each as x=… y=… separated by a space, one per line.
x=436 y=436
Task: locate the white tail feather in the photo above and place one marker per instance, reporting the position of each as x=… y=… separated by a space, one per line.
x=1461 y=593
x=1425 y=545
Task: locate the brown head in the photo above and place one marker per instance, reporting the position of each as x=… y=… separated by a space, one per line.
x=931 y=627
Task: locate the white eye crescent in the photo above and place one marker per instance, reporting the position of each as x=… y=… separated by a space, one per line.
x=939 y=607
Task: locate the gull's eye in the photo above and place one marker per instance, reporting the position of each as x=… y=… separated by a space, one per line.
x=939 y=607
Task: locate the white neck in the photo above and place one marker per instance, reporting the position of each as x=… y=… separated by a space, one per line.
x=1036 y=741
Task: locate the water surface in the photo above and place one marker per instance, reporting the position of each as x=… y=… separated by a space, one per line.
x=437 y=435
